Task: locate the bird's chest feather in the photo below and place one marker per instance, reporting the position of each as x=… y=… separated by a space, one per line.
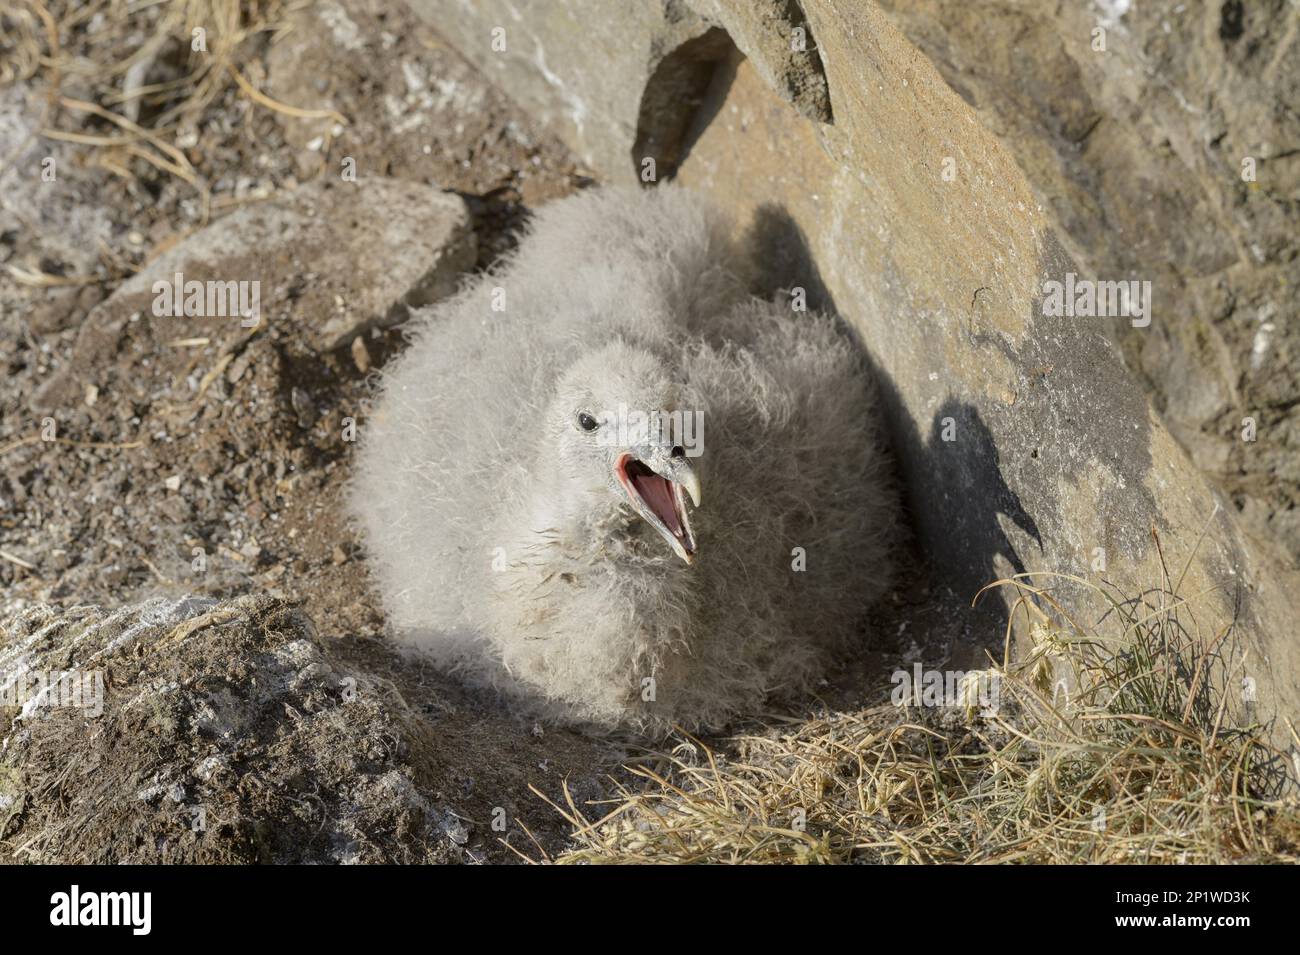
x=608 y=573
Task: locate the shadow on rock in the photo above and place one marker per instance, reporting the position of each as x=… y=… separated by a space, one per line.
x=953 y=488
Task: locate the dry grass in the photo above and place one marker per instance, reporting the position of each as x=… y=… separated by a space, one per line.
x=132 y=82
x=1136 y=764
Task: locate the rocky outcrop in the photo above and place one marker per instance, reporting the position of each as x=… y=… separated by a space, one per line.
x=930 y=219
x=347 y=257
x=1161 y=141
x=201 y=731
x=189 y=729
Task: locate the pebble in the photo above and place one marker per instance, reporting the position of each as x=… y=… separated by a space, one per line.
x=361 y=354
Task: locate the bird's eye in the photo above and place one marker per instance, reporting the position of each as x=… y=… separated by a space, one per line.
x=586 y=422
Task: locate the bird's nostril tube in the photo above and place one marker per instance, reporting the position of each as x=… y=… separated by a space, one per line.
x=679 y=451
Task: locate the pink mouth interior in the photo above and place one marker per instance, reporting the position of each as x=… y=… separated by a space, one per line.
x=658 y=495
x=656 y=492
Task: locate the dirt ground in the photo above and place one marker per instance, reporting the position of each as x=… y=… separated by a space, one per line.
x=261 y=489
x=173 y=473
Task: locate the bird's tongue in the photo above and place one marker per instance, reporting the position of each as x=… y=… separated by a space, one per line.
x=657 y=492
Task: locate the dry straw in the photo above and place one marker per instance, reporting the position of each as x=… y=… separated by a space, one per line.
x=1131 y=760
x=94 y=61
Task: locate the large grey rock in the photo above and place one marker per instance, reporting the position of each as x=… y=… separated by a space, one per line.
x=1169 y=155
x=192 y=730
x=335 y=257
x=629 y=89
x=344 y=256
x=188 y=729
x=1025 y=442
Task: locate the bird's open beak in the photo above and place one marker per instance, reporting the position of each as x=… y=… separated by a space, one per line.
x=657 y=484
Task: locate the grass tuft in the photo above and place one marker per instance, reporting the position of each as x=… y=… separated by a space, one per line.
x=1100 y=749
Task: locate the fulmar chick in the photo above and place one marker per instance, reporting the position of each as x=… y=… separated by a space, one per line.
x=605 y=478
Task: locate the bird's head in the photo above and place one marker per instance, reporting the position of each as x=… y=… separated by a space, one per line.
x=622 y=436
